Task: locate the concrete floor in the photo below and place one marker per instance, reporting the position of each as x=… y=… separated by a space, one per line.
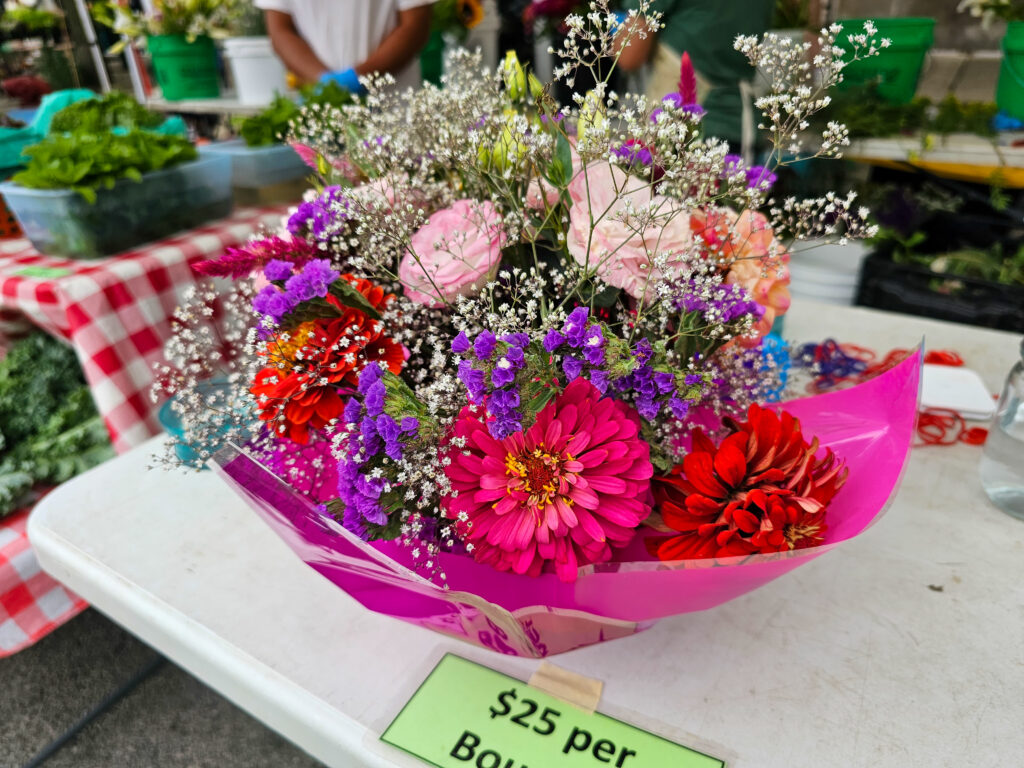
x=170 y=721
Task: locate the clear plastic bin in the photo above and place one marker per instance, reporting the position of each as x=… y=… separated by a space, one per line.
x=60 y=222
x=254 y=167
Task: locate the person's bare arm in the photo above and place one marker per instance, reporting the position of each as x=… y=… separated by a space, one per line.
x=292 y=48
x=635 y=50
x=402 y=45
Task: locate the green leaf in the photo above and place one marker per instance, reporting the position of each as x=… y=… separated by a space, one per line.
x=348 y=295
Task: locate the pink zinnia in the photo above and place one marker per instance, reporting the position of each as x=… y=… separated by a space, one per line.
x=574 y=485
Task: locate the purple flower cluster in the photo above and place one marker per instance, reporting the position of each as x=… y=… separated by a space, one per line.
x=677 y=101
x=634 y=154
x=500 y=396
x=725 y=304
x=585 y=345
x=312 y=281
x=379 y=437
x=322 y=218
x=651 y=389
x=758 y=176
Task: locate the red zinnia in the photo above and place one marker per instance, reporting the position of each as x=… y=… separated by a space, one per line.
x=762 y=490
x=303 y=388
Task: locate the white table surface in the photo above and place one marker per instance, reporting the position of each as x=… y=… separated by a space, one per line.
x=856 y=659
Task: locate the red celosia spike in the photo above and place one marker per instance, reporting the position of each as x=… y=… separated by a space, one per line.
x=687 y=80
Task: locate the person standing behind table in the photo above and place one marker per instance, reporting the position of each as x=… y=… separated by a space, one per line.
x=340 y=40
x=706 y=30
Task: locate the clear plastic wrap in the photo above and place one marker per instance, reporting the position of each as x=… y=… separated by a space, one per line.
x=870 y=426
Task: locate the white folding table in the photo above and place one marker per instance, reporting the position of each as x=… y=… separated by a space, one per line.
x=903 y=647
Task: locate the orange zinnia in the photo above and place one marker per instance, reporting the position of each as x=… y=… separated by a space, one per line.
x=304 y=390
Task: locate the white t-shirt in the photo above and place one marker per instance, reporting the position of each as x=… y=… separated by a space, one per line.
x=342 y=33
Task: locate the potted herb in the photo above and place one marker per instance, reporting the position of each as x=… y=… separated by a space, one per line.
x=943 y=256
x=264 y=169
x=179 y=35
x=84 y=195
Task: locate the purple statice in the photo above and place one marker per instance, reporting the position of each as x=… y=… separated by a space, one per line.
x=272 y=303
x=677 y=101
x=721 y=304
x=374 y=439
x=460 y=344
x=483 y=346
x=755 y=176
x=572 y=368
x=633 y=154
x=504 y=401
x=575 y=326
x=582 y=344
x=322 y=218
x=312 y=282
x=553 y=340
x=473 y=380
x=760 y=177
x=278 y=270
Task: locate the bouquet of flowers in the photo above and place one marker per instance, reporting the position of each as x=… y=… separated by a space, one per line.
x=505 y=375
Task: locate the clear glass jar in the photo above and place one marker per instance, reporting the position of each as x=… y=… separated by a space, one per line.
x=1002 y=463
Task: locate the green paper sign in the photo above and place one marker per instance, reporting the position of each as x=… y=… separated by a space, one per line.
x=468 y=716
x=46 y=273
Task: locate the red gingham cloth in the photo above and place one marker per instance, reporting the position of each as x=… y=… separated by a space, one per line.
x=116 y=313
x=31 y=603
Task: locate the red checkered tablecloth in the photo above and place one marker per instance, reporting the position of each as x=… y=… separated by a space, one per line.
x=31 y=603
x=116 y=313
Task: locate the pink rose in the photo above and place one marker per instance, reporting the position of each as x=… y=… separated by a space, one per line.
x=613 y=247
x=456 y=252
x=745 y=242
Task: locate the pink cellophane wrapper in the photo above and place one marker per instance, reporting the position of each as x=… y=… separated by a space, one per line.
x=870 y=426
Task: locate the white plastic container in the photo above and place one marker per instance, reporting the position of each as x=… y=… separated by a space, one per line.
x=257 y=72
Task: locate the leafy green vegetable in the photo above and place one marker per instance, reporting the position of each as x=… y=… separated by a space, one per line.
x=867 y=115
x=28 y=19
x=113 y=110
x=271 y=125
x=87 y=162
x=49 y=428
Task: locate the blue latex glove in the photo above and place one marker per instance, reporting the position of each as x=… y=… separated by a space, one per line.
x=620 y=19
x=346 y=78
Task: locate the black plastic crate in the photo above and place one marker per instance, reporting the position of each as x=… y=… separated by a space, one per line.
x=915 y=290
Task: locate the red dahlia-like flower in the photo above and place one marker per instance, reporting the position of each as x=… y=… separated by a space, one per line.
x=302 y=387
x=762 y=490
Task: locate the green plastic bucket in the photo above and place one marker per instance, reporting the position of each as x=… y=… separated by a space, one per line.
x=432 y=58
x=1010 y=90
x=185 y=70
x=897 y=68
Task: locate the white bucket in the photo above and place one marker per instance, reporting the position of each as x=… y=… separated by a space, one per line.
x=255 y=68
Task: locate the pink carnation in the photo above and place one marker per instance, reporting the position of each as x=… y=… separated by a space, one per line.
x=456 y=252
x=613 y=247
x=745 y=242
x=574 y=485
